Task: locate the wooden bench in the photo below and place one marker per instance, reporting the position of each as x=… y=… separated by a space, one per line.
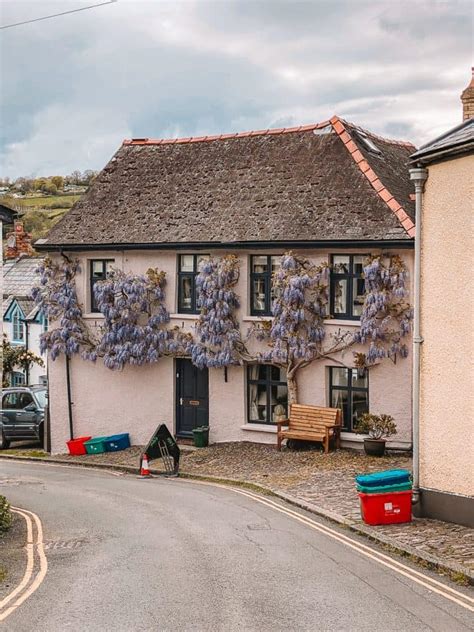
x=312 y=423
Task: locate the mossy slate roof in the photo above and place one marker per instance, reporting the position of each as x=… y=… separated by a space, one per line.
x=314 y=183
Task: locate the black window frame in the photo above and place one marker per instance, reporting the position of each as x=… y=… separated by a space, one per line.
x=92 y=281
x=268 y=382
x=192 y=274
x=349 y=276
x=347 y=424
x=267 y=278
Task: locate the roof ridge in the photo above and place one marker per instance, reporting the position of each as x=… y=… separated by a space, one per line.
x=261 y=132
x=340 y=127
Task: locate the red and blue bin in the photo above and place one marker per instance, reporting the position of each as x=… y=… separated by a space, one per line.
x=385 y=497
x=98 y=445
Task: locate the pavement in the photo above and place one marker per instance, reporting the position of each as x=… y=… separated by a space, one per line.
x=128 y=555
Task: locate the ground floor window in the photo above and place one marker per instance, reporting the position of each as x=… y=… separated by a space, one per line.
x=349 y=391
x=267 y=394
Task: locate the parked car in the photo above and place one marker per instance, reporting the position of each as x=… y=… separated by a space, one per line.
x=22 y=414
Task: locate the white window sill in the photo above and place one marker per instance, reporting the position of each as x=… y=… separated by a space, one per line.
x=260 y=428
x=93 y=316
x=352 y=436
x=256 y=319
x=344 y=323
x=185 y=316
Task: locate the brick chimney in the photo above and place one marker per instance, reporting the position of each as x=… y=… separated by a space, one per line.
x=18 y=243
x=467 y=98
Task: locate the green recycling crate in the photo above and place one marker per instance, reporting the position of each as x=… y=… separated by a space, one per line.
x=96 y=445
x=201 y=436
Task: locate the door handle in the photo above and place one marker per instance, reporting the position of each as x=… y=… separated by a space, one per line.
x=180 y=401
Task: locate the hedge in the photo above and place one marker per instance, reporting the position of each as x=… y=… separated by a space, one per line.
x=5 y=514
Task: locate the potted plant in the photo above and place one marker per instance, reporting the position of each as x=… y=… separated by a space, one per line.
x=379 y=428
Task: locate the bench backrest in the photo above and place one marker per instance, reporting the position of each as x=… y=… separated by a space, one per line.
x=304 y=417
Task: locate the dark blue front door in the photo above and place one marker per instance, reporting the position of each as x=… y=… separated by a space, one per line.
x=192 y=397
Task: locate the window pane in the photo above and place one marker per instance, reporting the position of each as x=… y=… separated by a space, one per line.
x=278 y=374
x=258 y=295
x=358 y=293
x=341 y=264
x=259 y=264
x=340 y=376
x=359 y=264
x=262 y=372
x=340 y=399
x=25 y=400
x=278 y=403
x=97 y=269
x=275 y=262
x=186 y=263
x=185 y=293
x=340 y=296
x=359 y=382
x=262 y=402
x=360 y=405
x=108 y=266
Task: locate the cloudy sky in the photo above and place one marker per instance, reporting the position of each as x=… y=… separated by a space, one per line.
x=73 y=87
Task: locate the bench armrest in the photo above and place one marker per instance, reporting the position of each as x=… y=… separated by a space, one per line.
x=283 y=422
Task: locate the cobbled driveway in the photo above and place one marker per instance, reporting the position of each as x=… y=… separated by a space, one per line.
x=326 y=481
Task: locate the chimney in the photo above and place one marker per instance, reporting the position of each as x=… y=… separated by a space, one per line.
x=18 y=243
x=467 y=98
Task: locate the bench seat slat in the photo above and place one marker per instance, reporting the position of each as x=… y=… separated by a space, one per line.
x=311 y=423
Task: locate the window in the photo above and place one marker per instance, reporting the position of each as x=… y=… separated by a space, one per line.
x=267 y=393
x=349 y=392
x=188 y=269
x=347 y=286
x=18 y=327
x=262 y=268
x=18 y=378
x=99 y=269
x=10 y=401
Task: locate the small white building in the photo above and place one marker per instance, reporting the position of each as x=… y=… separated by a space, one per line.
x=23 y=324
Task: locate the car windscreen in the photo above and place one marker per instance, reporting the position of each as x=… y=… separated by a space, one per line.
x=42 y=398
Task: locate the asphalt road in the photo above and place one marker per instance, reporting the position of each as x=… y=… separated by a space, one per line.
x=129 y=555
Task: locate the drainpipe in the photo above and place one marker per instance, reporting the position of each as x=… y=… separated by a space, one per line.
x=25 y=321
x=69 y=398
x=419 y=176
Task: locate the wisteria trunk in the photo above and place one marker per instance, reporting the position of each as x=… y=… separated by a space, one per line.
x=292 y=389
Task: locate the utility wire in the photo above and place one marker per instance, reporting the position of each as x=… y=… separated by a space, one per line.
x=55 y=15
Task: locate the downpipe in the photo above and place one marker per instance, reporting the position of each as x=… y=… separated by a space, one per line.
x=418 y=176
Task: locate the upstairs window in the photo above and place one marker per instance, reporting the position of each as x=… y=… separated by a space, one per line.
x=262 y=268
x=99 y=269
x=18 y=327
x=188 y=269
x=347 y=286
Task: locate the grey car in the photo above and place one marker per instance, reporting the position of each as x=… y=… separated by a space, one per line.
x=22 y=414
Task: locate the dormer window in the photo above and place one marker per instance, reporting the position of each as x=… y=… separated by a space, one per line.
x=368 y=143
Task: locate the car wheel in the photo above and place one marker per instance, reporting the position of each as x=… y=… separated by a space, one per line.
x=4 y=443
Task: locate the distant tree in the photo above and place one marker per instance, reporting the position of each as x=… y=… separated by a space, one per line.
x=50 y=188
x=75 y=177
x=39 y=184
x=16 y=357
x=88 y=176
x=58 y=181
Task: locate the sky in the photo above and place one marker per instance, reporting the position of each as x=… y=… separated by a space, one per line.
x=73 y=87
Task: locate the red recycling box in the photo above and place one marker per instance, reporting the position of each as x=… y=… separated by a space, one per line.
x=386 y=508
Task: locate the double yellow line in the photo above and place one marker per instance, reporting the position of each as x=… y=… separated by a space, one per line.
x=36 y=565
x=461 y=599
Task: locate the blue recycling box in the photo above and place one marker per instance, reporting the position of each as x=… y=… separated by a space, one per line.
x=383 y=479
x=117 y=442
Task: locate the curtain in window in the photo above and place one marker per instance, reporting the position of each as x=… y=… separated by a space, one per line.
x=339 y=378
x=253 y=392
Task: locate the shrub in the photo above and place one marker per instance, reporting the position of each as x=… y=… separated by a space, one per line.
x=376 y=426
x=5 y=514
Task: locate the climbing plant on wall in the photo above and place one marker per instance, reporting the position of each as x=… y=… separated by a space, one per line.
x=386 y=315
x=56 y=297
x=136 y=328
x=135 y=316
x=217 y=341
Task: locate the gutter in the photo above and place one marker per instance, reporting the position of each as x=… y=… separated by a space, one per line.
x=43 y=246
x=419 y=176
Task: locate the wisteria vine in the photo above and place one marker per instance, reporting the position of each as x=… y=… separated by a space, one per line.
x=386 y=315
x=217 y=332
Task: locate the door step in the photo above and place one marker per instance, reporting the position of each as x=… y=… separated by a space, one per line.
x=184 y=441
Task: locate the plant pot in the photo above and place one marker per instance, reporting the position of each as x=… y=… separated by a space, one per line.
x=374 y=447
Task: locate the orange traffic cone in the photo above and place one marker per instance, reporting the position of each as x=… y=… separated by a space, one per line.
x=144 y=469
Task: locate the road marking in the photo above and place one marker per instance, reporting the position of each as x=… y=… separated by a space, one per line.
x=23 y=589
x=402 y=569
